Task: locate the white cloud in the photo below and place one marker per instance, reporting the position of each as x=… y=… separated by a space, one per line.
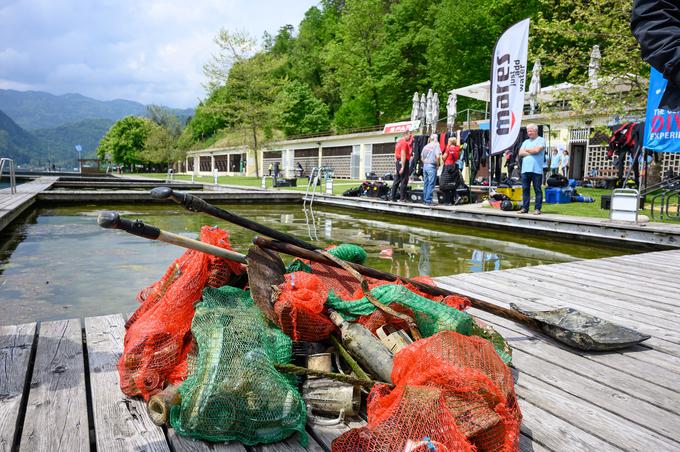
x=149 y=51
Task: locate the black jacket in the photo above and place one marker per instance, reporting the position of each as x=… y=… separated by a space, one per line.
x=656 y=26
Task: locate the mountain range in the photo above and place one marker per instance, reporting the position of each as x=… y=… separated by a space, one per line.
x=38 y=127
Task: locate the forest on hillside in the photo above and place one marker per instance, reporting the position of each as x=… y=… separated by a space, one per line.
x=352 y=64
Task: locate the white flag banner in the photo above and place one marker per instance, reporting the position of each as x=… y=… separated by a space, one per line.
x=508 y=79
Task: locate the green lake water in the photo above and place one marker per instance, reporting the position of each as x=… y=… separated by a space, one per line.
x=57 y=263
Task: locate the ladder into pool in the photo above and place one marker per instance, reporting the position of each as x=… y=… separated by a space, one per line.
x=12 y=176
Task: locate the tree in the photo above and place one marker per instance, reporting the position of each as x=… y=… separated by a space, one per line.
x=125 y=140
x=300 y=112
x=353 y=55
x=160 y=146
x=249 y=83
x=165 y=118
x=563 y=37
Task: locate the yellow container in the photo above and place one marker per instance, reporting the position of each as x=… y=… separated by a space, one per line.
x=514 y=193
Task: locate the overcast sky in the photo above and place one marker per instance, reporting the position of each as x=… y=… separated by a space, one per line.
x=149 y=51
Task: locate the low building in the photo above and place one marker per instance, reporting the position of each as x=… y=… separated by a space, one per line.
x=230 y=161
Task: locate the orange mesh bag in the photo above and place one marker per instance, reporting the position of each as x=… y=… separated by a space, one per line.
x=343 y=284
x=455 y=301
x=380 y=318
x=300 y=305
x=158 y=336
x=452 y=393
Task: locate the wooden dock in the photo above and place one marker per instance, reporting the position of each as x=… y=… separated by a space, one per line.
x=13 y=205
x=59 y=383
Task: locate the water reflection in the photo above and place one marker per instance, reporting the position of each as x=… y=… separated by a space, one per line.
x=58 y=263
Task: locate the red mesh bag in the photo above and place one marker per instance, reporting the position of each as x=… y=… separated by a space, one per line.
x=300 y=305
x=380 y=318
x=158 y=336
x=452 y=393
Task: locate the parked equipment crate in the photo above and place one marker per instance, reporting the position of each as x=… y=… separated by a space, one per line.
x=605 y=202
x=558 y=195
x=514 y=193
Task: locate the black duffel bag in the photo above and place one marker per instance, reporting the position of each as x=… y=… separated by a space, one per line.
x=557 y=180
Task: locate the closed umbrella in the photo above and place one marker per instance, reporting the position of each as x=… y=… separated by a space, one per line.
x=534 y=87
x=594 y=66
x=451 y=111
x=435 y=112
x=415 y=109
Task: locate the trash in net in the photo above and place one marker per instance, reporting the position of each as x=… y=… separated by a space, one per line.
x=233 y=391
x=158 y=337
x=452 y=393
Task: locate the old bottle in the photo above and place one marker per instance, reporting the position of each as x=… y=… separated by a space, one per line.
x=372 y=354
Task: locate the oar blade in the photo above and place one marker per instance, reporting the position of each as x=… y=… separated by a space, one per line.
x=265 y=269
x=583 y=331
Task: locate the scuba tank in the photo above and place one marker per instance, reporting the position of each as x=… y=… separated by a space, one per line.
x=508 y=205
x=373 y=355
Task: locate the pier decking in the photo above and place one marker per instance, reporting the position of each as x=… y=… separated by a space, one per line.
x=59 y=389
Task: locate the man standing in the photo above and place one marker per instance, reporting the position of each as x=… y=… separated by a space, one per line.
x=533 y=153
x=402 y=155
x=430 y=157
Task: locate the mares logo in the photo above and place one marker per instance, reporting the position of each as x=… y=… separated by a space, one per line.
x=508 y=76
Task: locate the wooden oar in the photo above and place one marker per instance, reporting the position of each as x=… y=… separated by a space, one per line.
x=574 y=328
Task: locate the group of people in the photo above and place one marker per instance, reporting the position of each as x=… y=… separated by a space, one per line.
x=559 y=162
x=431 y=158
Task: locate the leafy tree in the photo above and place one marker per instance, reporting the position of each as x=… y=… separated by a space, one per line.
x=160 y=146
x=563 y=37
x=353 y=55
x=249 y=83
x=125 y=140
x=165 y=118
x=300 y=112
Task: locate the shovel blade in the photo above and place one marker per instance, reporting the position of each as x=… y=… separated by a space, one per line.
x=265 y=269
x=583 y=331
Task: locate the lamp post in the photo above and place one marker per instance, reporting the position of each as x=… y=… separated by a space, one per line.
x=79 y=149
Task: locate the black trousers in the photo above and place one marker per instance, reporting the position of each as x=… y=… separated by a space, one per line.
x=400 y=182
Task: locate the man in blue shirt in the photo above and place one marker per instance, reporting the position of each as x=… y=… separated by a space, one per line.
x=533 y=157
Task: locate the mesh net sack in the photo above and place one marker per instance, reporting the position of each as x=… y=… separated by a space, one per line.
x=158 y=339
x=298 y=265
x=430 y=316
x=452 y=393
x=349 y=252
x=233 y=391
x=299 y=308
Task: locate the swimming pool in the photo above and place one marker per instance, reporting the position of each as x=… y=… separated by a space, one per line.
x=56 y=262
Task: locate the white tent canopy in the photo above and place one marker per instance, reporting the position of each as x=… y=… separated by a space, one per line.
x=479 y=91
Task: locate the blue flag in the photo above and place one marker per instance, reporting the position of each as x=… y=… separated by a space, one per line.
x=662 y=127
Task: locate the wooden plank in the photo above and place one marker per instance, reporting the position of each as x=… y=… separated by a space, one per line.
x=56 y=414
x=500 y=294
x=184 y=444
x=527 y=444
x=618 y=282
x=555 y=433
x=121 y=423
x=291 y=444
x=547 y=287
x=591 y=418
x=602 y=291
x=15 y=353
x=640 y=269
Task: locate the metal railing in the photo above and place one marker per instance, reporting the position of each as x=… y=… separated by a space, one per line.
x=312 y=182
x=170 y=177
x=12 y=176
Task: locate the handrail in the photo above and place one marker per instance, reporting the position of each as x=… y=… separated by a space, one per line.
x=170 y=177
x=12 y=175
x=670 y=194
x=312 y=181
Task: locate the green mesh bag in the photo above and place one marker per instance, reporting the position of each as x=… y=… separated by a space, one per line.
x=349 y=252
x=233 y=391
x=296 y=265
x=430 y=316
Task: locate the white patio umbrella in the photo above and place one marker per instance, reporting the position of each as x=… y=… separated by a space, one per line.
x=428 y=110
x=534 y=87
x=421 y=110
x=451 y=111
x=594 y=66
x=415 y=113
x=435 y=112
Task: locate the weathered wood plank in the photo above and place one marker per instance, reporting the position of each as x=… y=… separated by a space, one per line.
x=56 y=414
x=640 y=270
x=552 y=292
x=602 y=292
x=291 y=444
x=591 y=418
x=555 y=433
x=527 y=444
x=183 y=444
x=15 y=353
x=121 y=423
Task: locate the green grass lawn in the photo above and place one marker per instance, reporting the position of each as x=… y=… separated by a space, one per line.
x=339 y=185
